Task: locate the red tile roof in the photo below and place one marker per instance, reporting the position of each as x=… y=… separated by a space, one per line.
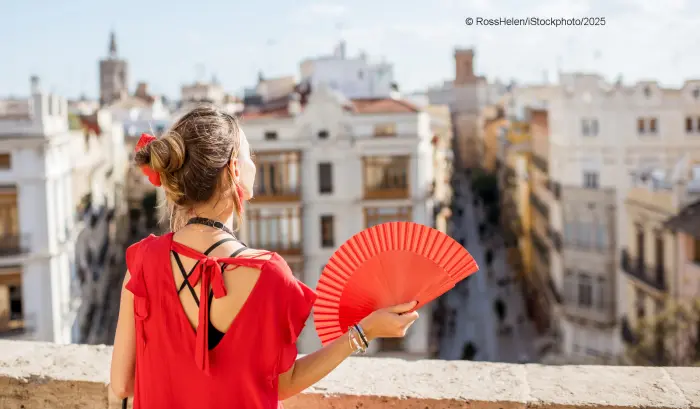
x=360 y=106
x=382 y=106
x=282 y=112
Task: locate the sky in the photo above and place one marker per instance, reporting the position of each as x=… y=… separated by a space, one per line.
x=168 y=45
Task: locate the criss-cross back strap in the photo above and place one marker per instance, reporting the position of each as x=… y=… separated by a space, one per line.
x=186 y=276
x=210 y=271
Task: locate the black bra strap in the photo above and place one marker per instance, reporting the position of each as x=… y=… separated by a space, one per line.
x=234 y=254
x=186 y=283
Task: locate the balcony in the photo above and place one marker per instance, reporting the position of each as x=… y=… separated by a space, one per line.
x=13 y=244
x=386 y=177
x=555 y=238
x=539 y=205
x=540 y=163
x=633 y=267
x=540 y=246
x=52 y=376
x=275 y=229
x=278 y=177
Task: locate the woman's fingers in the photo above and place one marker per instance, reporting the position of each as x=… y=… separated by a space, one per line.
x=408 y=318
x=402 y=308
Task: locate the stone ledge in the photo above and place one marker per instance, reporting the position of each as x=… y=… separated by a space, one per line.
x=42 y=375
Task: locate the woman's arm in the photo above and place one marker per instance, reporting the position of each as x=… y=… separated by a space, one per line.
x=124 y=352
x=306 y=371
x=312 y=368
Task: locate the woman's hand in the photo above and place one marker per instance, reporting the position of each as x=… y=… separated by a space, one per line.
x=391 y=322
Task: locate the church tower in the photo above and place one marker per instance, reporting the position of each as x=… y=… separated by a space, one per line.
x=114 y=79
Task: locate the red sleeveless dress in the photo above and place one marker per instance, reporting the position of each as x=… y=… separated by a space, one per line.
x=174 y=366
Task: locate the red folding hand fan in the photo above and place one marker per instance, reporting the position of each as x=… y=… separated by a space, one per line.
x=385 y=265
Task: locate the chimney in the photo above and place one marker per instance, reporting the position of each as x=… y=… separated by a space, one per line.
x=142 y=90
x=35 y=85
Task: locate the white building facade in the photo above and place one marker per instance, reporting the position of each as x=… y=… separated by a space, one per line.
x=599 y=135
x=44 y=168
x=332 y=169
x=354 y=77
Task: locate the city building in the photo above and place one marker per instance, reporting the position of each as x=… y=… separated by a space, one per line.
x=467 y=95
x=685 y=335
x=597 y=134
x=139 y=113
x=653 y=261
x=354 y=77
x=45 y=170
x=330 y=166
x=114 y=74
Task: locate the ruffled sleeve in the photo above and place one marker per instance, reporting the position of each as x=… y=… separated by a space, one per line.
x=134 y=263
x=299 y=302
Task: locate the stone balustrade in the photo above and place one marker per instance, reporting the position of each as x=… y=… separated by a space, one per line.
x=50 y=376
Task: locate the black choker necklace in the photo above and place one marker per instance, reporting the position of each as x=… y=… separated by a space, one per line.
x=211 y=223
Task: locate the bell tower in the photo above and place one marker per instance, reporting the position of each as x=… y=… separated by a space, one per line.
x=114 y=79
x=464 y=66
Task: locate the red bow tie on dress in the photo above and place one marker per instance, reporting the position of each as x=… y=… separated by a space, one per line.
x=209 y=271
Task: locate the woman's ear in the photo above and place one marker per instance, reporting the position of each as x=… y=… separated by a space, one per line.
x=234 y=168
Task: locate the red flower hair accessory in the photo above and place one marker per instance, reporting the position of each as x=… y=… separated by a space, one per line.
x=153 y=176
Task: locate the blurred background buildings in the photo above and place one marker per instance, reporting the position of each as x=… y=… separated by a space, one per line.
x=577 y=197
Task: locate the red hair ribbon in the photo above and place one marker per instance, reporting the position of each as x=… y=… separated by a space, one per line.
x=153 y=176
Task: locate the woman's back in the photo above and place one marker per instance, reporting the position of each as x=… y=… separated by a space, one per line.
x=192 y=333
x=258 y=318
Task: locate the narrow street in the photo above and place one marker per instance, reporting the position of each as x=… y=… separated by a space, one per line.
x=472 y=317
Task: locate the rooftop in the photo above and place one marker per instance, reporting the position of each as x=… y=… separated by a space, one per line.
x=43 y=375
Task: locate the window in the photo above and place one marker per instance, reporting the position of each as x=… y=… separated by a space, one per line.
x=590 y=180
x=698 y=122
x=325 y=178
x=640 y=125
x=11 y=311
x=647 y=92
x=584 y=234
x=570 y=231
x=585 y=127
x=385 y=130
x=688 y=124
x=602 y=236
x=278 y=173
x=9 y=221
x=327 y=231
x=640 y=248
x=277 y=229
x=379 y=215
x=270 y=135
x=585 y=290
x=589 y=126
x=652 y=125
x=696 y=93
x=601 y=300
x=323 y=134
x=659 y=259
x=360 y=74
x=696 y=247
x=386 y=176
x=5 y=161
